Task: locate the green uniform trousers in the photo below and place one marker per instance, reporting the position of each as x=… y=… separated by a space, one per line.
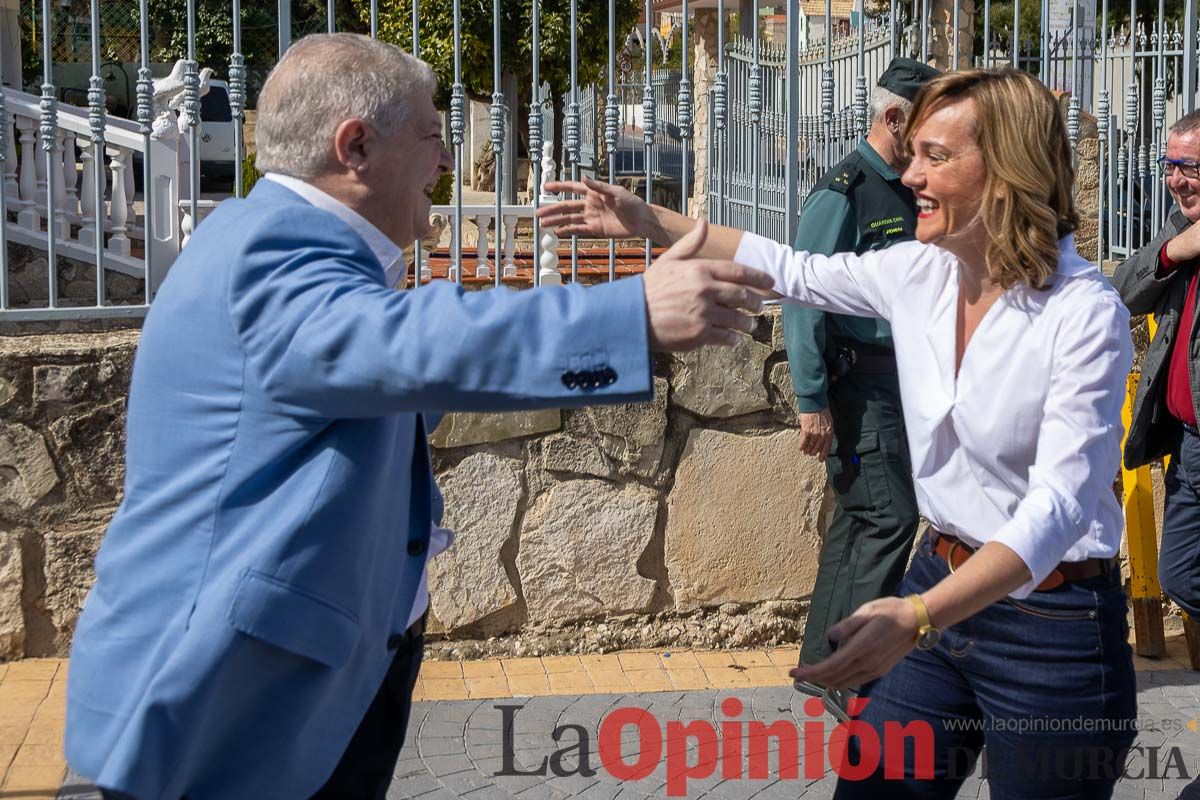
x=870 y=537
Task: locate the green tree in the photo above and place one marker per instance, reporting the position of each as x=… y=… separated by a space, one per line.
x=214 y=29
x=436 y=30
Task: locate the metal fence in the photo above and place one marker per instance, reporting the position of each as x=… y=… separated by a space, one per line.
x=776 y=117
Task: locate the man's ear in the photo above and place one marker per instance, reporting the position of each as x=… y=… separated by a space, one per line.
x=351 y=140
x=894 y=119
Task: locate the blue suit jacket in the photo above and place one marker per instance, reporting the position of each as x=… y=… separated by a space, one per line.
x=278 y=494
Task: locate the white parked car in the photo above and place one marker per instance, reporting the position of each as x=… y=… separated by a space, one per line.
x=217 y=153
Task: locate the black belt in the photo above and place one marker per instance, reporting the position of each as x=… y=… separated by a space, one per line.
x=868 y=363
x=1190 y=429
x=861 y=357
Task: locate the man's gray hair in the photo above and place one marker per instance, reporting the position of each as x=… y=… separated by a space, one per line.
x=882 y=99
x=323 y=80
x=1188 y=123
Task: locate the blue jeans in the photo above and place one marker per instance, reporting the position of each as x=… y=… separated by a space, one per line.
x=1179 y=560
x=1046 y=683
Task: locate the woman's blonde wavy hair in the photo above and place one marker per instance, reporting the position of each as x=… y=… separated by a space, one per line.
x=1028 y=202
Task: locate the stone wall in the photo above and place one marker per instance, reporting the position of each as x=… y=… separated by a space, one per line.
x=691 y=520
x=62 y=438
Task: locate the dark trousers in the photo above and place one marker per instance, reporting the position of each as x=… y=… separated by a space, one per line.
x=871 y=534
x=368 y=763
x=1046 y=683
x=367 y=766
x=1179 y=559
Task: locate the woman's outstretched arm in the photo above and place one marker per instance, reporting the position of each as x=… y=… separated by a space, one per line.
x=611 y=212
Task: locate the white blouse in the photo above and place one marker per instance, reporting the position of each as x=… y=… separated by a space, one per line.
x=1023 y=446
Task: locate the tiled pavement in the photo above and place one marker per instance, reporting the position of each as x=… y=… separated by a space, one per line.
x=457 y=746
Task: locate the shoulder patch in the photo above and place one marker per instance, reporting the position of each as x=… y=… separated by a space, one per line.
x=843 y=178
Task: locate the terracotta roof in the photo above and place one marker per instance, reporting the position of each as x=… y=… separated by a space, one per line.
x=816 y=8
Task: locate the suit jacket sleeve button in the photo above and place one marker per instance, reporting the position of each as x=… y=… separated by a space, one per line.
x=416 y=548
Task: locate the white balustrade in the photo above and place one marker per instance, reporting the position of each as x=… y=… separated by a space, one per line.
x=482 y=265
x=510 y=245
x=62 y=227
x=548 y=274
x=135 y=231
x=426 y=270
x=70 y=199
x=39 y=170
x=28 y=217
x=74 y=219
x=118 y=242
x=12 y=192
x=87 y=200
x=186 y=224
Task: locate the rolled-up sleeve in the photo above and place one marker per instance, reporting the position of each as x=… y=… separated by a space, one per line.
x=1078 y=449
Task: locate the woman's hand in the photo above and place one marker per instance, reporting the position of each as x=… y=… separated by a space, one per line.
x=603 y=212
x=870 y=642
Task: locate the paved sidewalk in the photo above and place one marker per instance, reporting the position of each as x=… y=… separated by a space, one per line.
x=457 y=745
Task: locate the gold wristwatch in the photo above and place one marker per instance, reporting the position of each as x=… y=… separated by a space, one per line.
x=927 y=635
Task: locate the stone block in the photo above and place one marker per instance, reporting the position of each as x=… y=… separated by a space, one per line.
x=744 y=520
x=1087 y=178
x=1086 y=237
x=785 y=390
x=579 y=549
x=633 y=434
x=722 y=381
x=563 y=453
x=1088 y=148
x=26 y=472
x=460 y=430
x=774 y=314
x=91 y=446
x=12 y=618
x=57 y=385
x=70 y=572
x=468 y=581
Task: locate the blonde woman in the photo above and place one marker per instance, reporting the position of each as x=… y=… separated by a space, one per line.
x=1009 y=629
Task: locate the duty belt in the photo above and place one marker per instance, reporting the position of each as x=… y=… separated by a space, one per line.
x=861 y=357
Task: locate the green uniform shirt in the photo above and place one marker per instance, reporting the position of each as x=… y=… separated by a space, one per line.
x=859 y=205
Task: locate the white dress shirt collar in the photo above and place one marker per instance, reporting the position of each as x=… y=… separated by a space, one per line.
x=385 y=249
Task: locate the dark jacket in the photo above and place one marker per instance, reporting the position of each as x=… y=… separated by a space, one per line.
x=1153 y=432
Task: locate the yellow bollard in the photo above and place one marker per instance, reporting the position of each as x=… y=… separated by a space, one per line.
x=1146 y=596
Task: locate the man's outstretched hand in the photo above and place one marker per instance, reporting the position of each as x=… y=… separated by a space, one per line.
x=697 y=301
x=603 y=211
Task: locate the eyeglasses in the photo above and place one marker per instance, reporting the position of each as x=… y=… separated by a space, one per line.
x=1188 y=169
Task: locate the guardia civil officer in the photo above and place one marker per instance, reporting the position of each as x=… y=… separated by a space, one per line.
x=844 y=372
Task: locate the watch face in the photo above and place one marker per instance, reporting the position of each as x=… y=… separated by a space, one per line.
x=928 y=638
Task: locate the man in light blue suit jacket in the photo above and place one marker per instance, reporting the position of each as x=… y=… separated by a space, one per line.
x=260 y=591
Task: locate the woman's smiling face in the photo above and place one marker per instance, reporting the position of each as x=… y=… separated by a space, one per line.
x=948 y=175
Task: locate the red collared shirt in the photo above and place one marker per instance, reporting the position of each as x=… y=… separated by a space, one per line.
x=1179 y=381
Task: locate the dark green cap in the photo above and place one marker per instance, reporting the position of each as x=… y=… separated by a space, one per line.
x=905 y=77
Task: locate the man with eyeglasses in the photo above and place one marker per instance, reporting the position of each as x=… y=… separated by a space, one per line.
x=1163 y=279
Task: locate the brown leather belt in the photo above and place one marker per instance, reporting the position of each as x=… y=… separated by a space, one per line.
x=955 y=552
